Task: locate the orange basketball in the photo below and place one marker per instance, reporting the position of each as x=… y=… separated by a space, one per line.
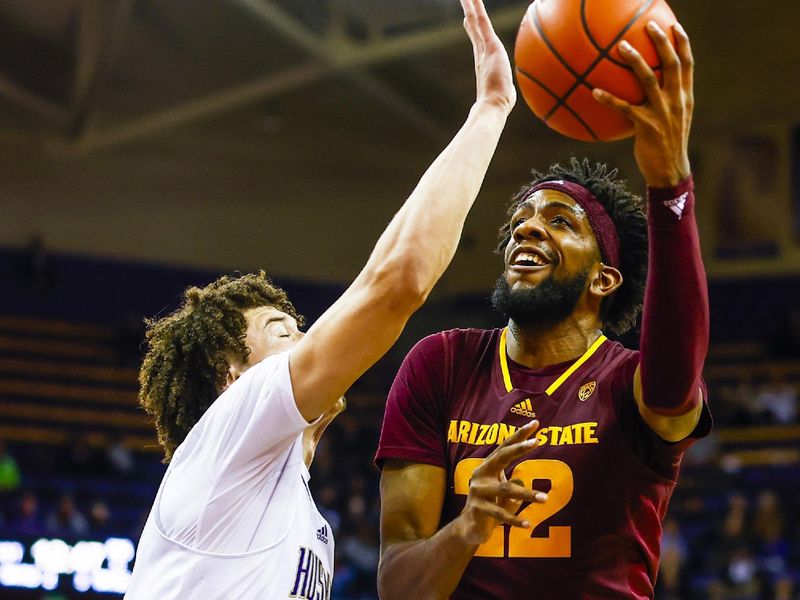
x=565 y=48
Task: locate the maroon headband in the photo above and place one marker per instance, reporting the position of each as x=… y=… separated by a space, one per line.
x=604 y=230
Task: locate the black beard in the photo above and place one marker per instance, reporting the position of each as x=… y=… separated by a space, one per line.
x=542 y=306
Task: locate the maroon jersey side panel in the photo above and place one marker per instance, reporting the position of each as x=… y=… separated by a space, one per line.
x=608 y=476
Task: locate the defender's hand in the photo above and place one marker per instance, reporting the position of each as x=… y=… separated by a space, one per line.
x=662 y=123
x=492 y=499
x=492 y=66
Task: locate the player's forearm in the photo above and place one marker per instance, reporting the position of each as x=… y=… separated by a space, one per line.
x=422 y=238
x=675 y=321
x=427 y=569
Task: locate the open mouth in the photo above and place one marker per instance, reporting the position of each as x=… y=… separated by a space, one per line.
x=529 y=259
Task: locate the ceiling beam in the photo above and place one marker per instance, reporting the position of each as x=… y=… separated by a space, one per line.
x=24 y=98
x=420 y=42
x=347 y=58
x=327 y=50
x=200 y=108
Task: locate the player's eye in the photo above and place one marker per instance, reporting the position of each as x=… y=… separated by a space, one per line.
x=517 y=222
x=278 y=329
x=561 y=220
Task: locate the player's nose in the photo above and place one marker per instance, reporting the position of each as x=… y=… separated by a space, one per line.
x=531 y=228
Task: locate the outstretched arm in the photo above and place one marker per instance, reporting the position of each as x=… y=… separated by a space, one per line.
x=675 y=321
x=416 y=247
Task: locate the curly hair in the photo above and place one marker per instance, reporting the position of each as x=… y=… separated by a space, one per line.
x=620 y=311
x=190 y=351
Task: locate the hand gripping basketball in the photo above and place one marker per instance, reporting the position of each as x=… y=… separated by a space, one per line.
x=492 y=499
x=492 y=67
x=663 y=122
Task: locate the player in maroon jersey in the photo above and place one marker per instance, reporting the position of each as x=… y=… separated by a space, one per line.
x=537 y=461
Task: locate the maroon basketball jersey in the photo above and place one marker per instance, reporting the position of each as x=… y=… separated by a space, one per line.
x=608 y=476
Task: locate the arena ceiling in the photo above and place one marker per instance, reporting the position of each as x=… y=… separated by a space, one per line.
x=98 y=73
x=295 y=87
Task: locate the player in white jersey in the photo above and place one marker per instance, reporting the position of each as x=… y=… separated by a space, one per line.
x=233 y=517
x=240 y=396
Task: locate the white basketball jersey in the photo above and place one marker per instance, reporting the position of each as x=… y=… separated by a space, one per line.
x=233 y=517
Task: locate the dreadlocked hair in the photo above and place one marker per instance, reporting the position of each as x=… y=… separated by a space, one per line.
x=190 y=351
x=619 y=311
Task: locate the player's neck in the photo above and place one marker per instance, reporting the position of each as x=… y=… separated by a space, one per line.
x=536 y=347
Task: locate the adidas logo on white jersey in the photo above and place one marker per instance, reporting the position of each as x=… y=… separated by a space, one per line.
x=322 y=534
x=524 y=408
x=677 y=205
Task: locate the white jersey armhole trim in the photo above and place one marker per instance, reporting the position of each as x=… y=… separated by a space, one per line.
x=163 y=534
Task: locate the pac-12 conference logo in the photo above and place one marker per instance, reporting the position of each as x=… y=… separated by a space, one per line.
x=587 y=389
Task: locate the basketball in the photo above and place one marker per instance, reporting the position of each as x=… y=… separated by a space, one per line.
x=565 y=48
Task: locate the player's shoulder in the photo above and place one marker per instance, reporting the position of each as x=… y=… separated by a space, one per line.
x=616 y=362
x=270 y=374
x=461 y=342
x=616 y=352
x=273 y=368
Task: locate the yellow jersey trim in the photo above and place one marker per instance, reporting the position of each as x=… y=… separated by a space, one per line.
x=564 y=376
x=504 y=360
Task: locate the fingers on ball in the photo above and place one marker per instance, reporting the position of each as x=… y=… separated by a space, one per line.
x=666 y=52
x=683 y=47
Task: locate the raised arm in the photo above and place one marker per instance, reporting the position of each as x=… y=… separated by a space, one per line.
x=675 y=321
x=416 y=247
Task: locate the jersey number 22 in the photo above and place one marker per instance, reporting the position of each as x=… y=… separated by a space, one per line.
x=558 y=543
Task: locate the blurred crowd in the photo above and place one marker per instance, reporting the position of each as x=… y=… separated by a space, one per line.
x=730 y=545
x=773 y=402
x=57 y=491
x=344 y=481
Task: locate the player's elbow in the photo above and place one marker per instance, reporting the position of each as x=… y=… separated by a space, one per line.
x=398 y=579
x=385 y=589
x=387 y=583
x=415 y=284
x=392 y=586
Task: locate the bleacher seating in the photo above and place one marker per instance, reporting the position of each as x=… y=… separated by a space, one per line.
x=59 y=378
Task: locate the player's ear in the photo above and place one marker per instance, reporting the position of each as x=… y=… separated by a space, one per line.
x=234 y=372
x=606 y=280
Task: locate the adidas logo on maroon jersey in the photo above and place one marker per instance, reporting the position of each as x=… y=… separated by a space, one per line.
x=524 y=408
